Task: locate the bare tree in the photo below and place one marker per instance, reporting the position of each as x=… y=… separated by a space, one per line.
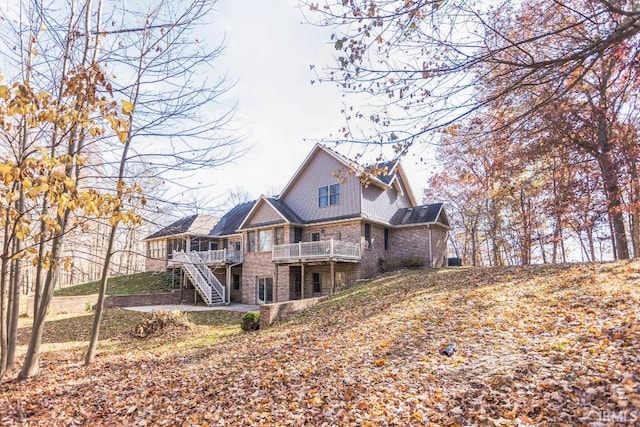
x=418 y=62
x=172 y=101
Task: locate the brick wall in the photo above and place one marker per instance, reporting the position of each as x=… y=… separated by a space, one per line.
x=414 y=242
x=369 y=264
x=256 y=264
x=345 y=273
x=155 y=264
x=168 y=298
x=347 y=232
x=439 y=245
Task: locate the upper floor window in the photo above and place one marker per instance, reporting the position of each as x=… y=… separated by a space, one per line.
x=367 y=236
x=329 y=195
x=279 y=236
x=264 y=240
x=251 y=241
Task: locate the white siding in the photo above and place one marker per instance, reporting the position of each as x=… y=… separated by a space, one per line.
x=302 y=196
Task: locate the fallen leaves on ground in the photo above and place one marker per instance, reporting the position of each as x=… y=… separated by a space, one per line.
x=537 y=345
x=161 y=322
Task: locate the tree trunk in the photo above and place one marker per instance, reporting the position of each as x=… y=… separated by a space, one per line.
x=474 y=242
x=614 y=205
x=95 y=328
x=634 y=211
x=15 y=280
x=32 y=358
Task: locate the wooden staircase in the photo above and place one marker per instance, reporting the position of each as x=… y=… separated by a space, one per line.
x=204 y=281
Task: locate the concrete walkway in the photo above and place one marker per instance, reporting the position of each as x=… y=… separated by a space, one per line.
x=242 y=308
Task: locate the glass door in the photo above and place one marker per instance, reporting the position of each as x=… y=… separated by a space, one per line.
x=265 y=290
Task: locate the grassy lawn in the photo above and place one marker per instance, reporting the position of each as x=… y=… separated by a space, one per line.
x=68 y=334
x=140 y=283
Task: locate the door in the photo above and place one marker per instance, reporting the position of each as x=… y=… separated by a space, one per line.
x=295 y=282
x=265 y=290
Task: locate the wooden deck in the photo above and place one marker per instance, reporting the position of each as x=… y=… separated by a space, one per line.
x=324 y=250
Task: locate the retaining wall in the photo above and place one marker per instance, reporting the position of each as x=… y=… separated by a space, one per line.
x=80 y=304
x=270 y=313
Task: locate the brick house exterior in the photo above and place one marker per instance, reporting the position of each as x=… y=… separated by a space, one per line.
x=326 y=229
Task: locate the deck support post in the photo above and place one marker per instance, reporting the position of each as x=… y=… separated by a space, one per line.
x=332 y=273
x=275 y=286
x=301 y=281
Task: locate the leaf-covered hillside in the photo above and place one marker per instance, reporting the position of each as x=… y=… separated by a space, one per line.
x=539 y=345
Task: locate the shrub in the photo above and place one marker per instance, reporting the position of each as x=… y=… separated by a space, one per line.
x=414 y=261
x=251 y=321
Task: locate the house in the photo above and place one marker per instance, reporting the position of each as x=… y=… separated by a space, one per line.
x=331 y=225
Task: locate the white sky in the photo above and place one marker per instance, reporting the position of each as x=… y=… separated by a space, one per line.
x=268 y=52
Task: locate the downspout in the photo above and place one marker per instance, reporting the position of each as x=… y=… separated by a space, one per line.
x=430 y=248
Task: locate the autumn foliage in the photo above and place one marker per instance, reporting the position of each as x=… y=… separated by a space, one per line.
x=536 y=345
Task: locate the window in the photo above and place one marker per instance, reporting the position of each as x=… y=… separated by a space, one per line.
x=297 y=235
x=236 y=282
x=237 y=246
x=264 y=240
x=317 y=288
x=329 y=195
x=386 y=239
x=315 y=237
x=213 y=246
x=367 y=236
x=251 y=241
x=279 y=236
x=156 y=249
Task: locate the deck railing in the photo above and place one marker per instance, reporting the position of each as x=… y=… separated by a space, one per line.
x=220 y=256
x=324 y=249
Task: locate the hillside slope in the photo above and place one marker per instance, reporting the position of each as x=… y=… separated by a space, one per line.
x=533 y=346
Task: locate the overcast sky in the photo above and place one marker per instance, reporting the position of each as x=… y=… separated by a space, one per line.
x=268 y=53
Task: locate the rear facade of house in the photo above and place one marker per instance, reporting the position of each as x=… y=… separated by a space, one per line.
x=331 y=225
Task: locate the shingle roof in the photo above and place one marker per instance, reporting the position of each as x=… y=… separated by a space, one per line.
x=390 y=165
x=285 y=210
x=194 y=224
x=230 y=221
x=417 y=215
